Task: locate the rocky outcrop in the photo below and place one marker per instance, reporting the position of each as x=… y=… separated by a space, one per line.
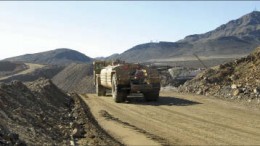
x=239 y=79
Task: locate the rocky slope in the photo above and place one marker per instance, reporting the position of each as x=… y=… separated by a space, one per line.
x=237 y=37
x=239 y=79
x=76 y=78
x=39 y=113
x=34 y=113
x=61 y=56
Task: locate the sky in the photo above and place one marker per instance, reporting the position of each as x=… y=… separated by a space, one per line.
x=102 y=28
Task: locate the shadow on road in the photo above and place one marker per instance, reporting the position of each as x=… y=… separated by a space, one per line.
x=163 y=100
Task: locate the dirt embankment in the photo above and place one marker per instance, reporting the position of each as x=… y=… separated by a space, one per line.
x=239 y=79
x=36 y=113
x=76 y=78
x=39 y=113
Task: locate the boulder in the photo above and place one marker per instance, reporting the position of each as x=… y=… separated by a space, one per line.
x=233 y=86
x=236 y=92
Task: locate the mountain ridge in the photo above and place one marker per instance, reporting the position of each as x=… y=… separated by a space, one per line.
x=239 y=36
x=236 y=37
x=60 y=56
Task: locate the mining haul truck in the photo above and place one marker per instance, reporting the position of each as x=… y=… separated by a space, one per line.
x=126 y=78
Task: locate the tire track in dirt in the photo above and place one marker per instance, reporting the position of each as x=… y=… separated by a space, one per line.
x=162 y=124
x=158 y=126
x=123 y=133
x=108 y=116
x=193 y=121
x=214 y=123
x=207 y=124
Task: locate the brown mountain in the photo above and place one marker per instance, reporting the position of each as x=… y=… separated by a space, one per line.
x=237 y=37
x=61 y=56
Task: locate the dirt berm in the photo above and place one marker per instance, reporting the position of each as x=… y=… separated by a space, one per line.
x=39 y=113
x=239 y=79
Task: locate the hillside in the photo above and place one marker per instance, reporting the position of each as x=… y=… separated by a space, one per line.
x=61 y=56
x=75 y=78
x=239 y=79
x=47 y=72
x=237 y=37
x=8 y=68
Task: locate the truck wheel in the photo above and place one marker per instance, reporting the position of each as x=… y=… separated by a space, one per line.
x=151 y=96
x=100 y=90
x=118 y=96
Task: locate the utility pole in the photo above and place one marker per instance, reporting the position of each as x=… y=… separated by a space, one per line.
x=200 y=60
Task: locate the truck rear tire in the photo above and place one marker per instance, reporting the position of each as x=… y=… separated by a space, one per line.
x=100 y=90
x=151 y=96
x=118 y=96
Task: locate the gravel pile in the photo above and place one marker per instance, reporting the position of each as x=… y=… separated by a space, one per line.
x=39 y=113
x=239 y=79
x=36 y=112
x=76 y=78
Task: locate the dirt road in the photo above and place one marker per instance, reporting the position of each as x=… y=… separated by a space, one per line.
x=177 y=119
x=31 y=67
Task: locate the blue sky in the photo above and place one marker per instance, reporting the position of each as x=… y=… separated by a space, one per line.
x=103 y=28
